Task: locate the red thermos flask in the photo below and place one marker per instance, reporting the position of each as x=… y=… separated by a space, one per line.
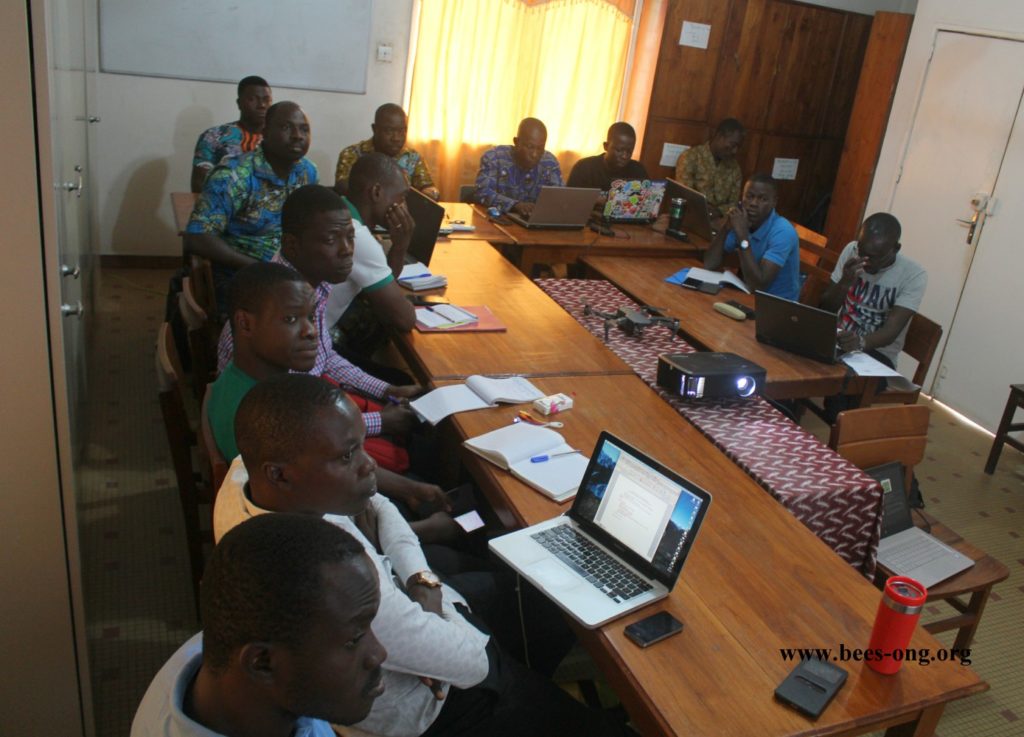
x=902 y=601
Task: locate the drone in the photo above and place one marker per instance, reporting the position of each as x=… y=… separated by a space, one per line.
x=632 y=322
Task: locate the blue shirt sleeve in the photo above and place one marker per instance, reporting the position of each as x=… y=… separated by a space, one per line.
x=215 y=206
x=781 y=245
x=486 y=192
x=730 y=242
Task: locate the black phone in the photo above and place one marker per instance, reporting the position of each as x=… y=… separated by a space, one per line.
x=652 y=629
x=811 y=686
x=742 y=308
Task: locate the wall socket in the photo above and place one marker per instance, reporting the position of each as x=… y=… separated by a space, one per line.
x=385 y=52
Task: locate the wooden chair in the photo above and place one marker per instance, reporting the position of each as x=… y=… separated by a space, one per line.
x=922 y=340
x=216 y=464
x=816 y=263
x=1006 y=426
x=181 y=438
x=875 y=435
x=201 y=271
x=202 y=338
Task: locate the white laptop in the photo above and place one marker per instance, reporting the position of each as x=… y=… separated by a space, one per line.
x=560 y=208
x=623 y=543
x=907 y=550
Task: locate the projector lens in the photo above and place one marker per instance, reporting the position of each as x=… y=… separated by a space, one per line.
x=745 y=386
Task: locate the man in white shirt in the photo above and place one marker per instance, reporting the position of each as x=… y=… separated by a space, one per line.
x=302 y=443
x=286 y=605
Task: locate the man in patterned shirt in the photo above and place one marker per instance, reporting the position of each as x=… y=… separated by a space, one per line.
x=237 y=218
x=711 y=168
x=232 y=139
x=390 y=126
x=510 y=177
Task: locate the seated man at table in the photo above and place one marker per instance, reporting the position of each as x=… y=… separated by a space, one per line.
x=302 y=451
x=876 y=290
x=376 y=198
x=273 y=330
x=769 y=248
x=711 y=168
x=232 y=139
x=390 y=125
x=287 y=645
x=318 y=246
x=237 y=218
x=510 y=177
x=616 y=163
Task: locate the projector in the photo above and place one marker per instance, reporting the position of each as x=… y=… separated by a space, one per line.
x=709 y=375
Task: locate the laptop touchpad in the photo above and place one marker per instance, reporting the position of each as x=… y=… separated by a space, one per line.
x=552 y=574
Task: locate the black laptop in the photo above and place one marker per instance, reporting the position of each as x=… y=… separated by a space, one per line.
x=428 y=216
x=696 y=215
x=794 y=327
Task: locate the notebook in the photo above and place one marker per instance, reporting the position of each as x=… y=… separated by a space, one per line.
x=485 y=322
x=428 y=216
x=417 y=277
x=560 y=208
x=794 y=327
x=721 y=278
x=477 y=393
x=631 y=514
x=696 y=215
x=537 y=456
x=907 y=550
x=633 y=201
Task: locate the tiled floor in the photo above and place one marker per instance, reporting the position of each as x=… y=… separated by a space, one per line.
x=138 y=595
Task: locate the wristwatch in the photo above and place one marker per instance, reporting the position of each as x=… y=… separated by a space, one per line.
x=744 y=244
x=424 y=578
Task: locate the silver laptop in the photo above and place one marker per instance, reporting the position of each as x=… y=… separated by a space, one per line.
x=795 y=327
x=696 y=214
x=560 y=208
x=905 y=549
x=623 y=543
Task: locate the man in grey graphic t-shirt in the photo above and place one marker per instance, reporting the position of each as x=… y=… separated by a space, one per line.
x=876 y=290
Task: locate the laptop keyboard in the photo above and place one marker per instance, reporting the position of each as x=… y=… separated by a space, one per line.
x=614 y=580
x=913 y=553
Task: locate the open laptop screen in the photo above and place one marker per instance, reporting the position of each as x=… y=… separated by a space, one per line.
x=643 y=511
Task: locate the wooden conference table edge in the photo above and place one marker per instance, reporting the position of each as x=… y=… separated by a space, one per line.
x=518 y=505
x=829 y=379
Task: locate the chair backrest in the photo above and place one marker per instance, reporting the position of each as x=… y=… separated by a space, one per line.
x=816 y=263
x=466 y=192
x=875 y=435
x=208 y=450
x=201 y=271
x=202 y=338
x=922 y=340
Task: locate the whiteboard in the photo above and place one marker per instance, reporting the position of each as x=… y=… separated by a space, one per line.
x=309 y=44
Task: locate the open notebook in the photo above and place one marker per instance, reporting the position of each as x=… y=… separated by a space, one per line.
x=536 y=456
x=477 y=393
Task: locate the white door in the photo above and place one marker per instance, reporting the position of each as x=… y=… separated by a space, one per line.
x=985 y=350
x=963 y=122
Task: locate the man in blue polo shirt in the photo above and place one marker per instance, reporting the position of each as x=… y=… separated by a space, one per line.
x=237 y=218
x=769 y=248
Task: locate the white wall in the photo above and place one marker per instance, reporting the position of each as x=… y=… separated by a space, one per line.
x=1001 y=16
x=142 y=149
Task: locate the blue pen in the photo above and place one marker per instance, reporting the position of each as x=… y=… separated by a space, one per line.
x=417 y=276
x=548 y=457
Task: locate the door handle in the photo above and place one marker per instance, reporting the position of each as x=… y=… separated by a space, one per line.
x=76 y=309
x=973 y=223
x=75 y=186
x=73 y=271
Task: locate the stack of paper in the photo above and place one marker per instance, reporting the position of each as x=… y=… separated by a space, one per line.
x=444 y=316
x=417 y=277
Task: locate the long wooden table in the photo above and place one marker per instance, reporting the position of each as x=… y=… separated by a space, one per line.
x=568 y=246
x=484 y=229
x=789 y=375
x=542 y=339
x=756 y=581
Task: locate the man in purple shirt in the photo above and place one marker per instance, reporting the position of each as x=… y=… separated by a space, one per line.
x=511 y=177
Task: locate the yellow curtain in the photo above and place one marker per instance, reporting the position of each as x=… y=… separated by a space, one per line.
x=481 y=66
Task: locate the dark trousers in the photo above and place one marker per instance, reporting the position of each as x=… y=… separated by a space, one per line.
x=515 y=701
x=841 y=402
